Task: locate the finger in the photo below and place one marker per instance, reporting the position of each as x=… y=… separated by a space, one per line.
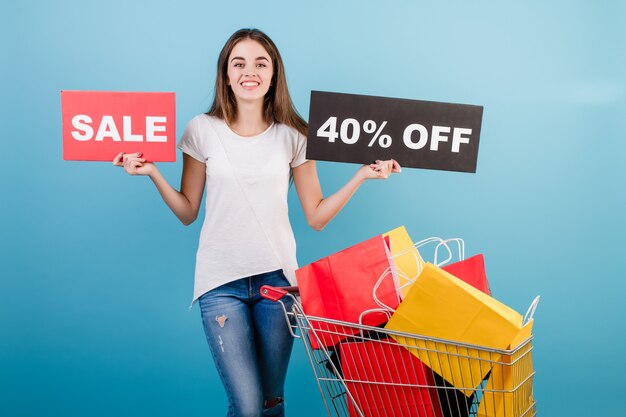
x=380 y=169
x=132 y=167
x=384 y=166
x=131 y=161
x=396 y=166
x=387 y=166
x=118 y=158
x=132 y=155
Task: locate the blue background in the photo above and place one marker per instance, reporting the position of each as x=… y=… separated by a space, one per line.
x=96 y=273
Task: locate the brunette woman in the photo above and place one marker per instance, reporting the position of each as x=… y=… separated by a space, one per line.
x=244 y=149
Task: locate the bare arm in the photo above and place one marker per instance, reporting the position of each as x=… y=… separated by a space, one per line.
x=319 y=210
x=184 y=203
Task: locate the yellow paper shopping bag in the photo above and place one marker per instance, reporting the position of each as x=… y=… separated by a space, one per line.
x=406 y=258
x=441 y=306
x=509 y=392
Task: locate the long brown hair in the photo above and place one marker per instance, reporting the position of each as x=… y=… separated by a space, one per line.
x=277 y=106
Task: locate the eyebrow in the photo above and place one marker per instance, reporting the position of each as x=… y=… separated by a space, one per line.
x=243 y=59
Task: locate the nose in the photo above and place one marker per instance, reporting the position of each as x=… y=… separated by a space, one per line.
x=250 y=72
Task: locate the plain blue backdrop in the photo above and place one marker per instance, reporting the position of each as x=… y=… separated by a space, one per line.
x=96 y=272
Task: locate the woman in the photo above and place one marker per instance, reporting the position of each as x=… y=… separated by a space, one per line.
x=245 y=149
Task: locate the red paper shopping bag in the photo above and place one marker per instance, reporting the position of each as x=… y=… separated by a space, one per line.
x=340 y=287
x=472 y=271
x=384 y=379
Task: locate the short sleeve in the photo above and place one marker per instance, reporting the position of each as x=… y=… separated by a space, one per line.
x=299 y=155
x=190 y=141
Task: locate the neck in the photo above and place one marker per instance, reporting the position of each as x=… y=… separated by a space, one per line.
x=249 y=120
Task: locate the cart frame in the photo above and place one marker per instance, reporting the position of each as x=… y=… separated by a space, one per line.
x=372 y=384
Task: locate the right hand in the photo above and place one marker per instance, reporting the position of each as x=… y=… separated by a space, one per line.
x=133 y=163
x=379 y=169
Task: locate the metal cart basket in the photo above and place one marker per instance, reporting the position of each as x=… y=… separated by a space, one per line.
x=374 y=371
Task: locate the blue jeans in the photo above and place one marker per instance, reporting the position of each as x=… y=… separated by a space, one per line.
x=250 y=343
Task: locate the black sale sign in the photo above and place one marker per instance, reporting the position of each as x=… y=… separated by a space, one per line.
x=418 y=134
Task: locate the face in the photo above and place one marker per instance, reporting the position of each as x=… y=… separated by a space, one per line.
x=250 y=71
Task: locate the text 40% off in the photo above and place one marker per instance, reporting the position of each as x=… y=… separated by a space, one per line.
x=415 y=136
x=350 y=131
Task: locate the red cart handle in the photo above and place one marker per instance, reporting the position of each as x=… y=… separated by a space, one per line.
x=276 y=293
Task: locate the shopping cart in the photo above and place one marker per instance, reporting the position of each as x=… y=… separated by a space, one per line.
x=375 y=372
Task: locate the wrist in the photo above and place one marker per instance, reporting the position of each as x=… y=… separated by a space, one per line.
x=153 y=172
x=360 y=177
x=363 y=174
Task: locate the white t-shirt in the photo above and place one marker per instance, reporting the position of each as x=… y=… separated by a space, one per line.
x=246 y=228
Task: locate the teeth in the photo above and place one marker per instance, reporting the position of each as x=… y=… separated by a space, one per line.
x=250 y=84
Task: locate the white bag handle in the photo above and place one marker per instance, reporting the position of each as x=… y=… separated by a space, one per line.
x=460 y=244
x=531 y=310
x=389 y=271
x=418 y=261
x=395 y=273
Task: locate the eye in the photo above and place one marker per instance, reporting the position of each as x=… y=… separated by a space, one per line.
x=261 y=65
x=238 y=65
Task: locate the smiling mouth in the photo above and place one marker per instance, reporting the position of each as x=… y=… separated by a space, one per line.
x=250 y=84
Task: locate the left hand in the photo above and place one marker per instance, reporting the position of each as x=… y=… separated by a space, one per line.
x=380 y=169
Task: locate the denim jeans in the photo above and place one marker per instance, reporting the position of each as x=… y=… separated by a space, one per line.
x=250 y=343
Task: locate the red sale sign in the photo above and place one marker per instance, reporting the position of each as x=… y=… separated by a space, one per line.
x=98 y=125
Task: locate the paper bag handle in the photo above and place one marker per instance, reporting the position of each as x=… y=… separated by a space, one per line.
x=395 y=273
x=460 y=244
x=389 y=271
x=419 y=263
x=531 y=310
x=417 y=245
